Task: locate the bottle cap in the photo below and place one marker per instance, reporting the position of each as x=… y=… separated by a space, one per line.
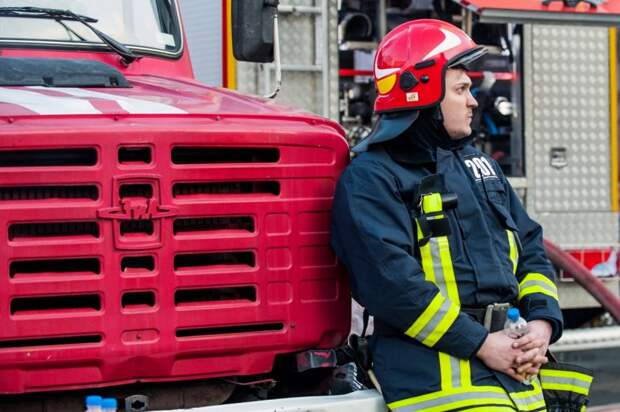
x=93 y=400
x=513 y=314
x=109 y=403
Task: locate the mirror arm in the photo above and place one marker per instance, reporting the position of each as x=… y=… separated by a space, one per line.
x=276 y=57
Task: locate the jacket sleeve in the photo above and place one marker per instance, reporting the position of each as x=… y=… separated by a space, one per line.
x=372 y=235
x=538 y=295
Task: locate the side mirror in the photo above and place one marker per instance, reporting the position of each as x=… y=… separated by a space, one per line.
x=252 y=29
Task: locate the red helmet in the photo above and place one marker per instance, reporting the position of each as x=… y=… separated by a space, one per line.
x=412 y=60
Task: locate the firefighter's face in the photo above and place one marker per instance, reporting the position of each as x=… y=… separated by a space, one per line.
x=457 y=106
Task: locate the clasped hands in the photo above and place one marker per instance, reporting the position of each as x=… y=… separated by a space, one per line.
x=517 y=358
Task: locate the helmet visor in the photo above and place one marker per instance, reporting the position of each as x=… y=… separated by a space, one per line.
x=467 y=57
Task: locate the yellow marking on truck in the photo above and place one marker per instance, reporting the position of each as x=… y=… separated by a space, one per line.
x=231 y=63
x=613 y=117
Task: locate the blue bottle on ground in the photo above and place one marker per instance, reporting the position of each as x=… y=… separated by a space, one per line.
x=108 y=405
x=93 y=403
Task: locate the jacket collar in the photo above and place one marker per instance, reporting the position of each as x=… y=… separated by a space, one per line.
x=421 y=142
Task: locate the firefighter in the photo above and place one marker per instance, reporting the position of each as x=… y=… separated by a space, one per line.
x=436 y=241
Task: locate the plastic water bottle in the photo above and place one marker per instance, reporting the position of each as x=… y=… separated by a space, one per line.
x=108 y=405
x=515 y=325
x=93 y=403
x=514 y=328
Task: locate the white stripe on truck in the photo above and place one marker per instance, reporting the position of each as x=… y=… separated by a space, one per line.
x=44 y=104
x=129 y=104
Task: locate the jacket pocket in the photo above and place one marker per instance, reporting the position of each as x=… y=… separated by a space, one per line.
x=498 y=198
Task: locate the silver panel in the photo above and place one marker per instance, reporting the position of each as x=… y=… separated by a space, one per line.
x=566 y=79
x=309 y=80
x=574 y=296
x=203 y=26
x=579 y=230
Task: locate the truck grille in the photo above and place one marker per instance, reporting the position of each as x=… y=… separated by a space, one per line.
x=160 y=254
x=48 y=157
x=87 y=192
x=53 y=229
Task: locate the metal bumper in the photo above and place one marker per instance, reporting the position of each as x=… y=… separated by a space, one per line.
x=367 y=401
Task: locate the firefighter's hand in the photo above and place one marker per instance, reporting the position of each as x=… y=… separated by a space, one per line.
x=534 y=347
x=498 y=354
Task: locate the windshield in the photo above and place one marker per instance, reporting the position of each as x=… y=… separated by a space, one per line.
x=146 y=25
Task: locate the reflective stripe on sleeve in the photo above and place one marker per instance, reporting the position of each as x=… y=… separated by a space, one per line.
x=514 y=252
x=537 y=283
x=565 y=381
x=435 y=321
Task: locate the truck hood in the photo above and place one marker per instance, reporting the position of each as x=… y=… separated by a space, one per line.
x=149 y=95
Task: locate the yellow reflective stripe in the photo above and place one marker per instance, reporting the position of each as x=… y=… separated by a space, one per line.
x=514 y=258
x=445 y=370
x=537 y=283
x=426 y=316
x=465 y=372
x=448 y=270
x=432 y=203
x=537 y=277
x=463 y=404
x=453 y=398
x=536 y=289
x=443 y=326
x=566 y=381
x=494 y=408
x=530 y=400
x=566 y=374
x=565 y=387
x=427 y=259
x=536 y=403
x=536 y=406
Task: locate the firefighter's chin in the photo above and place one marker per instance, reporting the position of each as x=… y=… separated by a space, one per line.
x=460 y=134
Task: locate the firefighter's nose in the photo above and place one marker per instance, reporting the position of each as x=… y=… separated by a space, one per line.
x=471 y=101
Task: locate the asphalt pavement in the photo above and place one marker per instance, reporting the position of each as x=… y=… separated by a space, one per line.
x=605 y=363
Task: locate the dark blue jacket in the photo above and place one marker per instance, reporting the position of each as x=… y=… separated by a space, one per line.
x=491 y=252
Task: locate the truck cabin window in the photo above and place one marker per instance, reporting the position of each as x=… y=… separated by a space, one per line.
x=146 y=26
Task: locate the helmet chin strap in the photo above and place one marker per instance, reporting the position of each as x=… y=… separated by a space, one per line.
x=437 y=121
x=437 y=116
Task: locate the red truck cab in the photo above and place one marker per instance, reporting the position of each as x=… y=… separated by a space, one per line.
x=153 y=228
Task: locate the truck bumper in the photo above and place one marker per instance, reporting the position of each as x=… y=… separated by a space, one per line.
x=366 y=400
